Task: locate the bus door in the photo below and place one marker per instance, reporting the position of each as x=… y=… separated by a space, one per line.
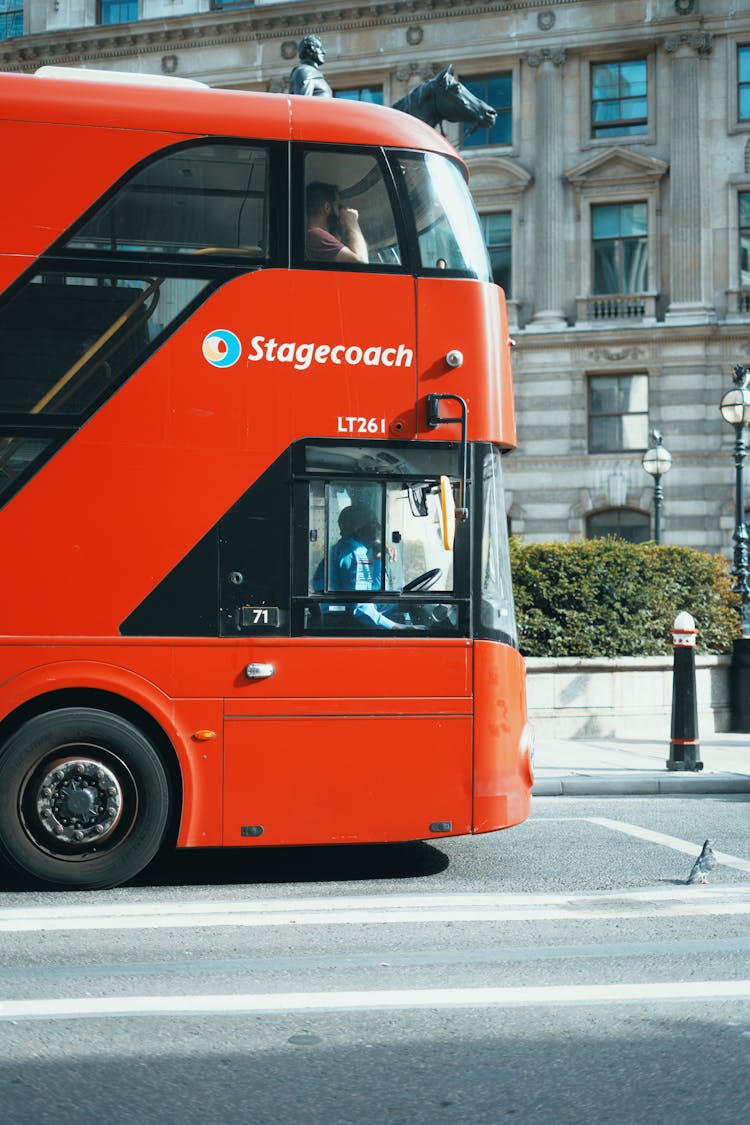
x=356 y=725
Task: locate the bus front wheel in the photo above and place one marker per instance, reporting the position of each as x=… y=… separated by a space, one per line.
x=84 y=799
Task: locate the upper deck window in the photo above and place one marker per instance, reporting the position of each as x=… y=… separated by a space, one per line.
x=349 y=218
x=448 y=229
x=206 y=199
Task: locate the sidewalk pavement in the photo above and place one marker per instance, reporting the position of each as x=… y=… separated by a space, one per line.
x=637 y=767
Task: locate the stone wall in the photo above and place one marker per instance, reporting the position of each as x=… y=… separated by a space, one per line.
x=626 y=697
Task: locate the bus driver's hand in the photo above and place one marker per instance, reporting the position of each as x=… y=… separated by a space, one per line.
x=348 y=218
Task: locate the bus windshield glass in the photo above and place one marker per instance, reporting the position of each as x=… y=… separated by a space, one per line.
x=497 y=613
x=375 y=528
x=448 y=229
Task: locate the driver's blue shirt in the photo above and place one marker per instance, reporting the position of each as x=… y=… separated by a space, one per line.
x=353 y=568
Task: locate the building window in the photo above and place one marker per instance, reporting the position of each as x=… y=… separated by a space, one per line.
x=743 y=86
x=745 y=240
x=497 y=91
x=221 y=5
x=619 y=234
x=625 y=523
x=117 y=11
x=11 y=18
x=619 y=99
x=618 y=413
x=497 y=236
x=372 y=94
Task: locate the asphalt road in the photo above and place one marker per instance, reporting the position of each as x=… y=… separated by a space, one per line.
x=559 y=972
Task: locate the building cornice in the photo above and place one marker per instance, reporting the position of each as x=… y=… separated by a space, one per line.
x=285 y=22
x=265 y=22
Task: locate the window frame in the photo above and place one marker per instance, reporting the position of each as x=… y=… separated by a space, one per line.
x=505 y=146
x=591 y=416
x=102 y=4
x=587 y=138
x=5 y=22
x=298 y=259
x=620 y=241
x=277 y=218
x=736 y=294
x=740 y=85
x=341 y=92
x=617 y=176
x=735 y=123
x=486 y=215
x=621 y=122
x=303 y=599
x=646 y=521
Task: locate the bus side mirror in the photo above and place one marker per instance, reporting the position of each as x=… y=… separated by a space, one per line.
x=447 y=513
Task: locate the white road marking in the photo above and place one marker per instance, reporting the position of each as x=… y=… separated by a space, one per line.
x=254 y=1004
x=673 y=842
x=380 y=909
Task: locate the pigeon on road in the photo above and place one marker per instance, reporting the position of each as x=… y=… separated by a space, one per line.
x=705 y=862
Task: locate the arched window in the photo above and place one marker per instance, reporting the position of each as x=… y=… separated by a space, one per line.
x=626 y=523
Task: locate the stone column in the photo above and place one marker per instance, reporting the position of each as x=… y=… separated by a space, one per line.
x=549 y=242
x=688 y=302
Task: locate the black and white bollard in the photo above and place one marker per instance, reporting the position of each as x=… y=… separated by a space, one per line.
x=684 y=747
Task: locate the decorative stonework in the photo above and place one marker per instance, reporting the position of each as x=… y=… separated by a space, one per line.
x=615 y=355
x=414 y=36
x=699 y=41
x=545 y=21
x=555 y=55
x=619 y=167
x=405 y=72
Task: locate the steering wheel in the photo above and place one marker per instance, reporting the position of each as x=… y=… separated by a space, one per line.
x=424 y=582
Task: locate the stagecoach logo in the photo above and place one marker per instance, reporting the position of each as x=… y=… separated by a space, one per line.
x=222 y=348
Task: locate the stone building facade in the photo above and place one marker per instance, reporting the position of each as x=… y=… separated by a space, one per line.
x=614 y=192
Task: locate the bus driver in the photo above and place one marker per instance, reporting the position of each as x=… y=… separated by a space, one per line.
x=356 y=564
x=326 y=220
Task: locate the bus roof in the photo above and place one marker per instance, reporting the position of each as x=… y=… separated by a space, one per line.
x=194 y=109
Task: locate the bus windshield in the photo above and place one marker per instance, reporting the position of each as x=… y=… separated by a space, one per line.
x=448 y=230
x=374 y=530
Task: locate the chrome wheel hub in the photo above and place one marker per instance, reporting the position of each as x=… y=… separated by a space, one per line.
x=79 y=801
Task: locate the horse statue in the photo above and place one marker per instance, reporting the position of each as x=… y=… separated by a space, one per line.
x=444 y=98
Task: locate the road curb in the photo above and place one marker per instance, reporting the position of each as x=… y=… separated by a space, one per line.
x=592 y=785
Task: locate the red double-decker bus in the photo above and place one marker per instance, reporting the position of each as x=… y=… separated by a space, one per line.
x=255 y=390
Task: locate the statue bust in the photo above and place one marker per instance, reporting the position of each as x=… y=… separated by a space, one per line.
x=307 y=77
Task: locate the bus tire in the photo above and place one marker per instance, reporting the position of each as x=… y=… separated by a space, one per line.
x=84 y=799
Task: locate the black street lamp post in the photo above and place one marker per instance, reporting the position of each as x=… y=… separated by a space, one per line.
x=657 y=461
x=735 y=409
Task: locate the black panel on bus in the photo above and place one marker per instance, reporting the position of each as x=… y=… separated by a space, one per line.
x=186 y=601
x=235 y=581
x=255 y=557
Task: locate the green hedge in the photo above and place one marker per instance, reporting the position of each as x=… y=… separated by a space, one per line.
x=606 y=597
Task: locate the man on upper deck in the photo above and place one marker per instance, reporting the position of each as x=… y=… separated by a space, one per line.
x=333 y=232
